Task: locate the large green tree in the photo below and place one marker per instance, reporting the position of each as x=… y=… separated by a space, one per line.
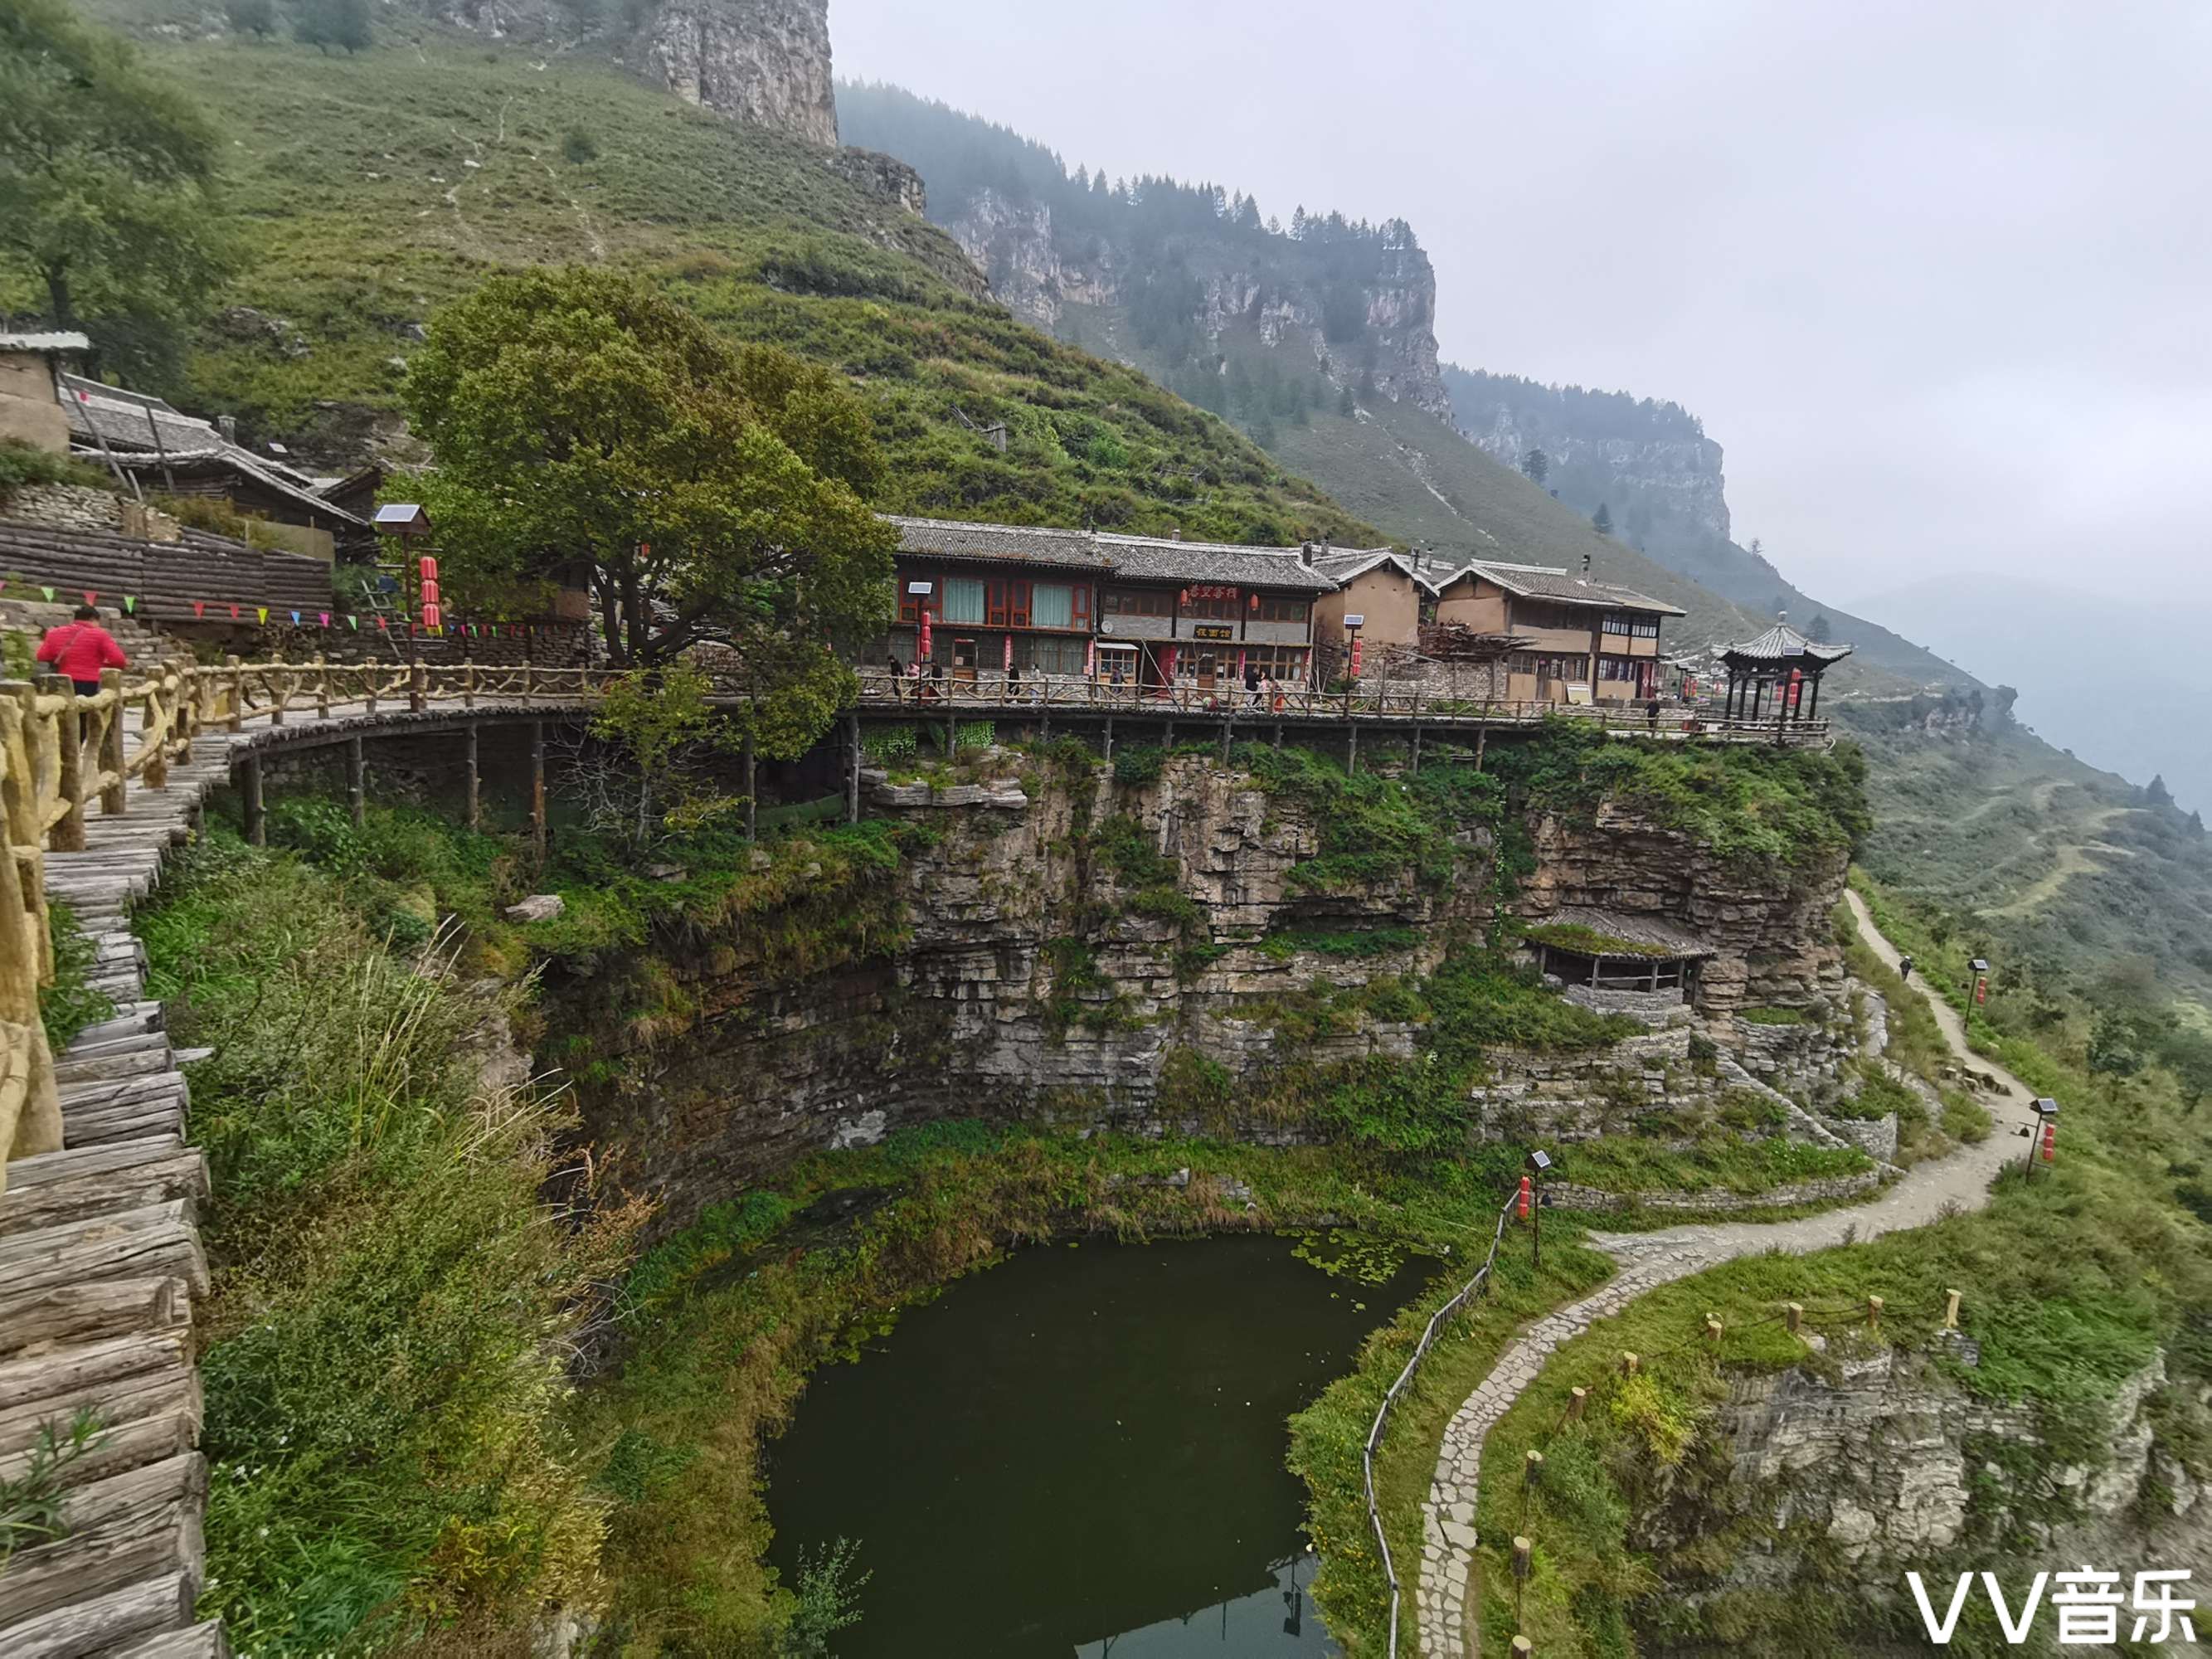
x=106 y=181
x=585 y=426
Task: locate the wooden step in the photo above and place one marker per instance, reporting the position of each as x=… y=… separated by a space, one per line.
x=101 y=1625
x=36 y=1321
x=155 y=1239
x=200 y=1642
x=141 y=1525
x=116 y=1177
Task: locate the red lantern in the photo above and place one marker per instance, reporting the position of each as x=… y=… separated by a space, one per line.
x=1523 y=1206
x=427 y=568
x=2050 y=1141
x=1252 y=602
x=429 y=593
x=1184 y=598
x=432 y=616
x=1355 y=656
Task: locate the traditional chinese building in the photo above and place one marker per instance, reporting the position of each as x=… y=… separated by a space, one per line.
x=1577 y=641
x=1779 y=675
x=979 y=599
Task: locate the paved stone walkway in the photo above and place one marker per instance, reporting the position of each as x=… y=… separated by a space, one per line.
x=1445 y=1609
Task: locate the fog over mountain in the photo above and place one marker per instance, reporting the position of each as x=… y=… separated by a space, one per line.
x=2120 y=698
x=1932 y=274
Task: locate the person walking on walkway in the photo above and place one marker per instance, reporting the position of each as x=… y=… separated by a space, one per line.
x=81 y=649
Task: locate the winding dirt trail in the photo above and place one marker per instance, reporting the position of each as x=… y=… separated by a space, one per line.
x=1445 y=1607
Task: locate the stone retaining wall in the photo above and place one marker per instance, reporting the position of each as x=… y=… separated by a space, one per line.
x=1567 y=1195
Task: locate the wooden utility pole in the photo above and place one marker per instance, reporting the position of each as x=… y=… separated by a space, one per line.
x=537 y=788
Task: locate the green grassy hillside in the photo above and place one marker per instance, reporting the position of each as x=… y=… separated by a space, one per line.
x=370 y=188
x=2057 y=870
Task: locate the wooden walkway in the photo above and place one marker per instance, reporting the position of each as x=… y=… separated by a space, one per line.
x=100 y=1262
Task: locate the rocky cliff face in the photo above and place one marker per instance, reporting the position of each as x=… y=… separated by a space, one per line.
x=1865 y=1464
x=1268 y=288
x=1026 y=974
x=1658 y=475
x=762 y=61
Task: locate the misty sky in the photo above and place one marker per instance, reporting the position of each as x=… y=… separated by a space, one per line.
x=1938 y=277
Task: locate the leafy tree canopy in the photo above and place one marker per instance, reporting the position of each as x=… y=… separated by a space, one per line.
x=106 y=184
x=587 y=429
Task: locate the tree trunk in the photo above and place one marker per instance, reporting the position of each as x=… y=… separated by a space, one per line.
x=57 y=294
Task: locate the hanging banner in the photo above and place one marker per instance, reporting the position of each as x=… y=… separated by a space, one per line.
x=199 y=607
x=130 y=604
x=295 y=619
x=382 y=629
x=261 y=614
x=48 y=593
x=1090 y=660
x=234 y=613
x=325 y=615
x=1009 y=664
x=92 y=596
x=354 y=622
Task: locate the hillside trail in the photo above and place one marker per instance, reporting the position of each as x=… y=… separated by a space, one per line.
x=1449 y=1594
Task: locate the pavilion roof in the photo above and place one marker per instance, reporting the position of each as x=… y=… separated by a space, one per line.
x=1782 y=645
x=1653 y=935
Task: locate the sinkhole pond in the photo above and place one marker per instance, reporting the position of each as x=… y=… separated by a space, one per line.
x=1080 y=1452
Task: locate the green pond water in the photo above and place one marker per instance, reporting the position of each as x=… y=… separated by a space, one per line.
x=1080 y=1452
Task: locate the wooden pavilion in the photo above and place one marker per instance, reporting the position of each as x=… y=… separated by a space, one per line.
x=1782 y=664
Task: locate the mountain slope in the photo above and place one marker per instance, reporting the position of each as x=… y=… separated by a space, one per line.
x=1652 y=466
x=371 y=188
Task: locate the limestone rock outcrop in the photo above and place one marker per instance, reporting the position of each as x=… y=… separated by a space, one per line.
x=1022 y=973
x=762 y=61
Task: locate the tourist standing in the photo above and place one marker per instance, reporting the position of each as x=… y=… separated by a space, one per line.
x=81 y=649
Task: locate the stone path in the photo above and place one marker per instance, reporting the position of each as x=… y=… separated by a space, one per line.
x=1446 y=1610
x=100 y=1262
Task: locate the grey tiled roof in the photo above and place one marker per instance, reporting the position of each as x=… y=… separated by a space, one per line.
x=1141 y=558
x=1782 y=643
x=1347 y=564
x=1532 y=581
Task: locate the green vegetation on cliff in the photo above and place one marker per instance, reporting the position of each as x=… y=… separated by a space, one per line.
x=2071 y=1282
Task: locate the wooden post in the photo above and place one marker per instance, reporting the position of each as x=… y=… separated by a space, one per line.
x=529 y=681
x=537 y=788
x=1713 y=1330
x=1167 y=735
x=1481 y=738
x=1522 y=1551
x=1950 y=1297
x=1793 y=1315
x=418 y=687
x=322 y=688
x=1524 y=1647
x=1109 y=740
x=113 y=797
x=256 y=823
x=1628 y=1364
x=475 y=778
x=1224 y=742
x=853 y=768
x=469 y=683
x=1416 y=749
x=67 y=836
x=1279 y=734
x=1352 y=763
x=752 y=800
x=1531 y=1468
x=1874 y=1312
x=356 y=783
x=1578 y=1399
x=152 y=720
x=237 y=719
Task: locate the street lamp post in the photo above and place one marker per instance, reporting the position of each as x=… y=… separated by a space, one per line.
x=1538 y=1163
x=2044 y=1134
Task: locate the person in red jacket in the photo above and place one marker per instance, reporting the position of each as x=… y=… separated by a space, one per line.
x=81 y=649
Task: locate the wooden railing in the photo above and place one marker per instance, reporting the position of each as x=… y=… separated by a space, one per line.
x=883 y=690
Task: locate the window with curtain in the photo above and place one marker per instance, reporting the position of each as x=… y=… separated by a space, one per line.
x=964 y=599
x=1052 y=605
